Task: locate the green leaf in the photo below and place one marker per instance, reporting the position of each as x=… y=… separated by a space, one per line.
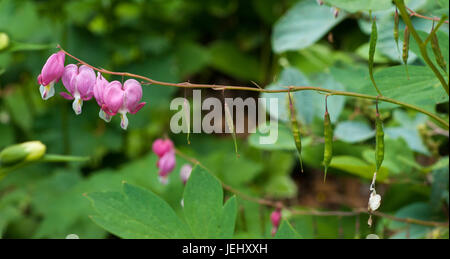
x=418 y=210
x=286 y=231
x=304 y=24
x=137 y=213
x=393 y=83
x=203 y=206
x=281 y=186
x=353 y=131
x=358 y=167
x=358 y=5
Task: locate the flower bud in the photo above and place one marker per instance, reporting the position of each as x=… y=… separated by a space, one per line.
x=23 y=152
x=4 y=41
x=166 y=164
x=275 y=218
x=51 y=72
x=185 y=172
x=162 y=146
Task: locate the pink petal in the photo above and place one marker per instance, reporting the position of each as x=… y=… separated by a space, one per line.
x=70 y=71
x=85 y=82
x=99 y=88
x=133 y=94
x=113 y=97
x=66 y=95
x=53 y=68
x=138 y=107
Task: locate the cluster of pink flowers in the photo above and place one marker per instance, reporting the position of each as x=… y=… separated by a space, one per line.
x=82 y=84
x=165 y=151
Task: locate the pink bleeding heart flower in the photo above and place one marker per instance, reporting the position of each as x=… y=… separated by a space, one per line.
x=166 y=164
x=51 y=73
x=185 y=172
x=100 y=87
x=162 y=146
x=79 y=81
x=123 y=100
x=275 y=218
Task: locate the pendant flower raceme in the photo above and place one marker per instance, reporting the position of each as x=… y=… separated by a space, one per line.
x=51 y=73
x=79 y=82
x=122 y=100
x=165 y=151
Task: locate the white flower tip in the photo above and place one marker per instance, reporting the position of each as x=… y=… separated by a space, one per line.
x=164 y=180
x=104 y=116
x=77 y=105
x=47 y=91
x=123 y=121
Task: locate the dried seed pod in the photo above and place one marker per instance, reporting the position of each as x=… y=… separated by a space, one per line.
x=295 y=131
x=406 y=49
x=328 y=136
x=373 y=44
x=379 y=138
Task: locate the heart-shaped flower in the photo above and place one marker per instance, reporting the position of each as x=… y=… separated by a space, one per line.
x=100 y=87
x=123 y=100
x=51 y=72
x=79 y=81
x=162 y=146
x=166 y=164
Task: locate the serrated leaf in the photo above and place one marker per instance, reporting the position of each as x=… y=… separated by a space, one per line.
x=137 y=213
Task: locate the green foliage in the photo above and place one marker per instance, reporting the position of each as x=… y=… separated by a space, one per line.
x=275 y=44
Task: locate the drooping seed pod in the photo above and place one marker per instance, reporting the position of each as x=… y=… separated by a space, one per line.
x=379 y=139
x=328 y=136
x=396 y=25
x=295 y=131
x=437 y=50
x=230 y=124
x=21 y=153
x=406 y=49
x=372 y=47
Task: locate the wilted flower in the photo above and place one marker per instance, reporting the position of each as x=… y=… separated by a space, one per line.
x=80 y=84
x=166 y=164
x=374 y=201
x=275 y=218
x=51 y=72
x=185 y=172
x=100 y=87
x=162 y=146
x=123 y=100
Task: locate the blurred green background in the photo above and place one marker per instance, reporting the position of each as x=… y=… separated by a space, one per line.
x=234 y=42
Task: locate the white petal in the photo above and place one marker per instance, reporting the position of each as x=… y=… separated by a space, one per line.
x=77 y=105
x=104 y=116
x=123 y=120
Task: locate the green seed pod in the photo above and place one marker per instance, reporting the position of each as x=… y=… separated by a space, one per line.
x=396 y=25
x=437 y=50
x=328 y=136
x=406 y=49
x=24 y=152
x=379 y=139
x=372 y=47
x=295 y=131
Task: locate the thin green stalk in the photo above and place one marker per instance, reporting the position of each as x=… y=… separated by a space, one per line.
x=52 y=158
